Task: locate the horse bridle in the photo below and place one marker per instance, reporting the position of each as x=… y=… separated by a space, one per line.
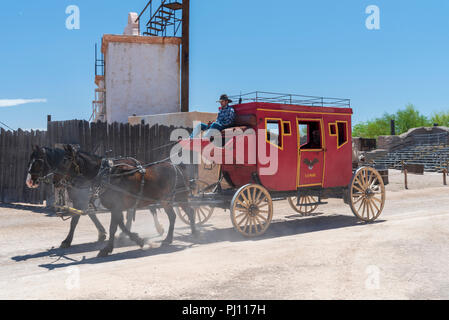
x=65 y=181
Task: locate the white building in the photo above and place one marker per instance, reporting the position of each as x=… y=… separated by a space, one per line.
x=141 y=76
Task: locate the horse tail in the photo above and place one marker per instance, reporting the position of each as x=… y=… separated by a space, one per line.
x=159 y=227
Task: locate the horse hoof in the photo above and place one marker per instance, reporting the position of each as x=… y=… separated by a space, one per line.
x=141 y=243
x=65 y=245
x=103 y=253
x=102 y=237
x=166 y=242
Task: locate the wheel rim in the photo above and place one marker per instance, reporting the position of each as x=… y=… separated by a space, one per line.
x=303 y=208
x=202 y=215
x=251 y=210
x=367 y=194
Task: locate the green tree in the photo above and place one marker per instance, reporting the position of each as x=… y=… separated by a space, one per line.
x=441 y=118
x=373 y=128
x=405 y=119
x=409 y=118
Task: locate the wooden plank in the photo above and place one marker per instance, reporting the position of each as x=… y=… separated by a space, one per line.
x=146 y=143
x=116 y=140
x=133 y=142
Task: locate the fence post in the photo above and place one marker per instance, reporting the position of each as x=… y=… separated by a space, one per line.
x=405 y=179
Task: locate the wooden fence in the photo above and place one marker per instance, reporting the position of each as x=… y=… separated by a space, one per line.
x=112 y=140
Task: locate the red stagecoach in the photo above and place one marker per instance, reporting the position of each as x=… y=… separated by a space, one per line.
x=286 y=147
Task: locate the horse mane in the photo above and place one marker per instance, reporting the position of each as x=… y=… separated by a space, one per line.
x=54 y=156
x=89 y=162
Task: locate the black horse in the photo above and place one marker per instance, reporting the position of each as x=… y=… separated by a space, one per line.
x=125 y=184
x=51 y=164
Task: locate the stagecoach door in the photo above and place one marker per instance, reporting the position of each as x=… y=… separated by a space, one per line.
x=311 y=148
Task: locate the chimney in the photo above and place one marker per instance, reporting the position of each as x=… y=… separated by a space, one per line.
x=132 y=29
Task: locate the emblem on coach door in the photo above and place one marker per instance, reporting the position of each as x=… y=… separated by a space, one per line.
x=311 y=164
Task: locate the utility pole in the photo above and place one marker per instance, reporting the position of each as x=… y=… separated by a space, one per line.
x=185 y=56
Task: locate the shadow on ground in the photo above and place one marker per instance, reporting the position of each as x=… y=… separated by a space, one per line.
x=284 y=228
x=185 y=240
x=36 y=209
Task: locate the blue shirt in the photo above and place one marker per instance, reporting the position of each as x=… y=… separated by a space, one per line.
x=226 y=116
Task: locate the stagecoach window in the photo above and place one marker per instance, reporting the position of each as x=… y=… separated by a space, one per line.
x=333 y=129
x=342 y=133
x=304 y=134
x=310 y=134
x=274 y=133
x=287 y=127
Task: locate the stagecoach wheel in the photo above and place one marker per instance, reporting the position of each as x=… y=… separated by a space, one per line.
x=251 y=210
x=202 y=214
x=367 y=194
x=304 y=209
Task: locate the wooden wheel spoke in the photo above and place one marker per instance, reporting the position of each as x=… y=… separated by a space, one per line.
x=367 y=207
x=359 y=189
x=370 y=204
x=245 y=199
x=240 y=215
x=378 y=200
x=259 y=193
x=262 y=217
x=253 y=197
x=242 y=204
x=372 y=182
x=264 y=197
x=263 y=205
x=375 y=205
x=360 y=198
x=243 y=220
x=364 y=207
x=258 y=221
x=361 y=204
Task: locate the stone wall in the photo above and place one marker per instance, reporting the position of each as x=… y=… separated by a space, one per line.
x=408 y=138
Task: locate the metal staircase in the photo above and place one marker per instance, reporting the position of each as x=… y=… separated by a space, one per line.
x=165 y=20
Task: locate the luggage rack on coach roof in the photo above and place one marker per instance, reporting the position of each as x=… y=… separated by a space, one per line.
x=292 y=99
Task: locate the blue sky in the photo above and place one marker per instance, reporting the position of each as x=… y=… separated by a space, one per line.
x=319 y=47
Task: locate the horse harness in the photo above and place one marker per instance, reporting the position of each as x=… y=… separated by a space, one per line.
x=105 y=174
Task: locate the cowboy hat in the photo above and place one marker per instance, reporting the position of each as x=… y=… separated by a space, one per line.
x=224 y=97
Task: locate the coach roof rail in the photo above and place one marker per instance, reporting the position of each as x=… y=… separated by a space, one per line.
x=294 y=99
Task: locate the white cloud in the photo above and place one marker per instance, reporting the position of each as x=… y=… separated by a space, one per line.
x=17 y=102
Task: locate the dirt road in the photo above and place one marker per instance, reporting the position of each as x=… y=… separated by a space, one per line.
x=404 y=255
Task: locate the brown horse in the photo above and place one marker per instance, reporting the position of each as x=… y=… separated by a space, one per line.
x=49 y=164
x=125 y=184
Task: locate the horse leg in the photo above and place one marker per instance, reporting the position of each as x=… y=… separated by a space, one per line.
x=130 y=214
x=191 y=214
x=68 y=241
x=115 y=217
x=133 y=236
x=99 y=226
x=157 y=224
x=172 y=218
